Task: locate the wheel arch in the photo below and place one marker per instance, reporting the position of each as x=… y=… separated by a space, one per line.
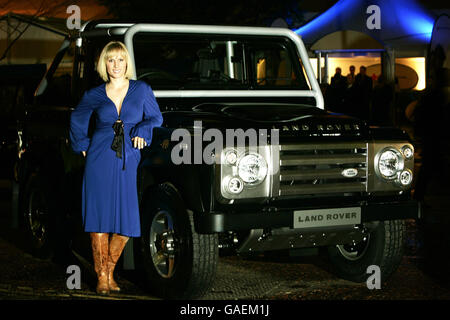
x=191 y=183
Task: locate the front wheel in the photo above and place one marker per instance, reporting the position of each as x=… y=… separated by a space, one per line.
x=37 y=215
x=178 y=263
x=382 y=246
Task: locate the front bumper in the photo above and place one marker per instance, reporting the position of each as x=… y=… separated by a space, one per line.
x=222 y=222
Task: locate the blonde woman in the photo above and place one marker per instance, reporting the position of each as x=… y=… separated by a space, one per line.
x=126 y=113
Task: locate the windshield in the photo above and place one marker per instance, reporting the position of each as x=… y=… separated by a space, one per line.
x=196 y=62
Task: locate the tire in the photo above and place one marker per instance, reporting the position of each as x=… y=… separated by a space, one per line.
x=383 y=247
x=186 y=268
x=37 y=216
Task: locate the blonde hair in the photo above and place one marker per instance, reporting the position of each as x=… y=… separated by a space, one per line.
x=107 y=52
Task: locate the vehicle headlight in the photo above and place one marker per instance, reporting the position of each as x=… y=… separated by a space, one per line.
x=252 y=168
x=390 y=163
x=244 y=173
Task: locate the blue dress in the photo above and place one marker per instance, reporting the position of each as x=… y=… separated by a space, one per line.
x=109 y=192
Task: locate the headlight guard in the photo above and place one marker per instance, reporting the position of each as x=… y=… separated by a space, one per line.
x=245 y=172
x=391 y=166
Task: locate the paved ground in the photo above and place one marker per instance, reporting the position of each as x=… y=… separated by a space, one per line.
x=284 y=277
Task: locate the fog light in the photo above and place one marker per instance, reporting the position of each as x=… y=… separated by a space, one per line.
x=405 y=178
x=233 y=185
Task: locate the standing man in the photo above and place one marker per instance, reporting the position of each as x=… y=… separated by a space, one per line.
x=350 y=103
x=351 y=77
x=363 y=93
x=337 y=92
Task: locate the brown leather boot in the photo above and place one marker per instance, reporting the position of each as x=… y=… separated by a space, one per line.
x=116 y=245
x=100 y=244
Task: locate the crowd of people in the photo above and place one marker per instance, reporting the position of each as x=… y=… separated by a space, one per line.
x=357 y=95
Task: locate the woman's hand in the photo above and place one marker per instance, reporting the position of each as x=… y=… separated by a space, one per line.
x=83 y=153
x=138 y=142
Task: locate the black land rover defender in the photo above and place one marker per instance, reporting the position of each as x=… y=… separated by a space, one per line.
x=312 y=179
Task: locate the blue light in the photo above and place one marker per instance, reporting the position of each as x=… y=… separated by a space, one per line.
x=399 y=18
x=418 y=23
x=326 y=17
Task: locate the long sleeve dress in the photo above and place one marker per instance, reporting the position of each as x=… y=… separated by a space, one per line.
x=109 y=190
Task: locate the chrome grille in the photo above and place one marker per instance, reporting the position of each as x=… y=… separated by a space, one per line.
x=318 y=168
